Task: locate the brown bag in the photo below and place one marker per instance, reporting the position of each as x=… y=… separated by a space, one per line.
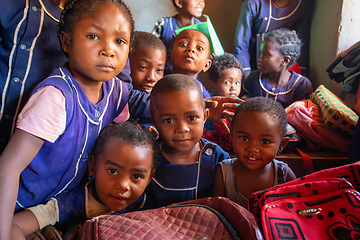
x=208 y=218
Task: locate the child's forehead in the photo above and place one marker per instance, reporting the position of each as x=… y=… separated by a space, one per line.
x=194 y=35
x=176 y=97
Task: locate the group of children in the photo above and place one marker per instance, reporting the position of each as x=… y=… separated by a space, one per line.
x=66 y=128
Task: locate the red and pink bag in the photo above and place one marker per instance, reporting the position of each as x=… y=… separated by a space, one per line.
x=322 y=205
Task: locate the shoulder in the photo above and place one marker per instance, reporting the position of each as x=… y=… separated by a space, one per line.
x=212 y=149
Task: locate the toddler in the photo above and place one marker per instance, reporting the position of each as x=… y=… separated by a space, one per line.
x=187 y=13
x=147 y=61
x=225 y=76
x=258 y=130
x=121 y=166
x=49 y=151
x=190 y=54
x=279 y=50
x=187 y=162
x=260 y=16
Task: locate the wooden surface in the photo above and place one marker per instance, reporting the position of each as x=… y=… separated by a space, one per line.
x=322 y=158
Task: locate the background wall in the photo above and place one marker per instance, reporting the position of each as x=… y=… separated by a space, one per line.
x=335 y=26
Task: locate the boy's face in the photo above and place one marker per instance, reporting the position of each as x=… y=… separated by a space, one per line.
x=98 y=46
x=193 y=8
x=190 y=53
x=270 y=60
x=256 y=138
x=147 y=67
x=179 y=118
x=121 y=173
x=228 y=84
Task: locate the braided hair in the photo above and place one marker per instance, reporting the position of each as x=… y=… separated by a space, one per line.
x=75 y=10
x=287 y=41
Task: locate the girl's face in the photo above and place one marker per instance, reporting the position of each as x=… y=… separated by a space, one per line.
x=193 y=8
x=228 y=84
x=179 y=117
x=121 y=172
x=99 y=45
x=147 y=67
x=257 y=139
x=270 y=60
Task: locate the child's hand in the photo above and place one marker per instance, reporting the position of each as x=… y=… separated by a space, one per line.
x=221 y=106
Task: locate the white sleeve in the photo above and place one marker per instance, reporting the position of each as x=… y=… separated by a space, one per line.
x=47 y=213
x=44 y=114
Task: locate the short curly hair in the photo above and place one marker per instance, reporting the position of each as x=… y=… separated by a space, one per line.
x=288 y=41
x=220 y=63
x=146 y=40
x=129 y=133
x=265 y=105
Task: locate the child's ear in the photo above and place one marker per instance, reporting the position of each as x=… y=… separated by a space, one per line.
x=207 y=65
x=283 y=144
x=168 y=56
x=286 y=60
x=178 y=3
x=65 y=41
x=152 y=175
x=91 y=166
x=206 y=114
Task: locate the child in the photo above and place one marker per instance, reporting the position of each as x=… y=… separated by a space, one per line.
x=190 y=54
x=50 y=149
x=279 y=50
x=225 y=76
x=260 y=16
x=187 y=162
x=187 y=13
x=121 y=166
x=147 y=61
x=258 y=130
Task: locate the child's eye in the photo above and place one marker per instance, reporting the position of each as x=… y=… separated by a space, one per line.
x=237 y=83
x=200 y=48
x=227 y=83
x=183 y=44
x=243 y=138
x=142 y=67
x=160 y=70
x=193 y=118
x=93 y=37
x=136 y=176
x=168 y=120
x=265 y=141
x=112 y=171
x=120 y=41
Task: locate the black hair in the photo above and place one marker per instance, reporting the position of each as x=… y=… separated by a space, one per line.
x=265 y=105
x=172 y=83
x=146 y=40
x=177 y=36
x=288 y=42
x=75 y=10
x=220 y=63
x=130 y=133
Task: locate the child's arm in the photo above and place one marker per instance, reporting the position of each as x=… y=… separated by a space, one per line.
x=19 y=152
x=290 y=175
x=218 y=188
x=24 y=223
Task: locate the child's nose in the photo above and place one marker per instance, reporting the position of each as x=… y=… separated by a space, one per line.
x=122 y=186
x=107 y=50
x=151 y=77
x=181 y=127
x=252 y=147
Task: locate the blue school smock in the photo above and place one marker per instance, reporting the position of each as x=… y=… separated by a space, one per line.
x=298 y=88
x=175 y=183
x=58 y=167
x=260 y=16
